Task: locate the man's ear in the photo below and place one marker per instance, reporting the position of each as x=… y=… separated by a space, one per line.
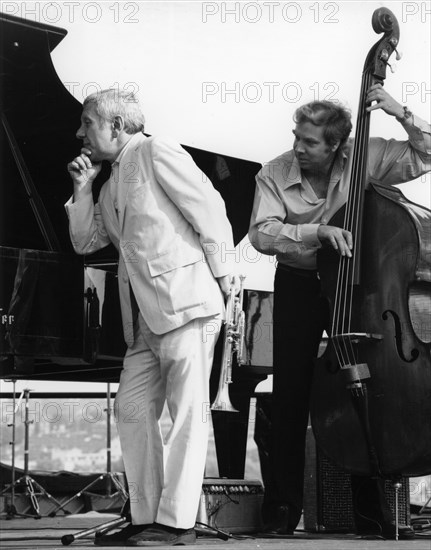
x=335 y=146
x=117 y=124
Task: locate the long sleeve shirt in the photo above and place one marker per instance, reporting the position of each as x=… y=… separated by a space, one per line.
x=287 y=213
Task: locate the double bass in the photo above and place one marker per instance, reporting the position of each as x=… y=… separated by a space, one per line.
x=371 y=394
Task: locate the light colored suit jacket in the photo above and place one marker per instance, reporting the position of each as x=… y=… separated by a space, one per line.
x=171 y=231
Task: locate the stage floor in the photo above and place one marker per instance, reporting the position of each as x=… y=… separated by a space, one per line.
x=30 y=533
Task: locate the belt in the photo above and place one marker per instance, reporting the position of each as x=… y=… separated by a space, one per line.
x=307 y=273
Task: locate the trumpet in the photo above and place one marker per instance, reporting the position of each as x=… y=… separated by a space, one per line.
x=233 y=344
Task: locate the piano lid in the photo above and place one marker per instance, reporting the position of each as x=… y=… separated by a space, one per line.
x=43 y=118
x=54 y=34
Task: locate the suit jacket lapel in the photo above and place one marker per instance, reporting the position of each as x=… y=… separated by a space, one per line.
x=128 y=173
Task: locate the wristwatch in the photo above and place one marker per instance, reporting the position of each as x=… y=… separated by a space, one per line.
x=406 y=115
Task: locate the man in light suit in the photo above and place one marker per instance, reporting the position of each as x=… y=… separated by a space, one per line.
x=170 y=228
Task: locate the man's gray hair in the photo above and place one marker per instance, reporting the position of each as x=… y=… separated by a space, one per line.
x=335 y=118
x=111 y=103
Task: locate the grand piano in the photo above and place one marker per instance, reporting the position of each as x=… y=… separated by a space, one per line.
x=60 y=317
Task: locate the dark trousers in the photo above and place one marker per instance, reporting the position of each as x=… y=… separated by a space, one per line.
x=300 y=316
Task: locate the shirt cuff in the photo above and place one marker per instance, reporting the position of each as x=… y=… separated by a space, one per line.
x=416 y=131
x=307 y=233
x=72 y=205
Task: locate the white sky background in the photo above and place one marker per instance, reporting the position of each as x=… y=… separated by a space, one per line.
x=228 y=76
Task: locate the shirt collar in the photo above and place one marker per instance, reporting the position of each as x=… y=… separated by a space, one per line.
x=294 y=174
x=339 y=164
x=129 y=144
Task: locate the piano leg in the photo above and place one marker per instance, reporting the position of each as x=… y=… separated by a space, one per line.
x=231 y=429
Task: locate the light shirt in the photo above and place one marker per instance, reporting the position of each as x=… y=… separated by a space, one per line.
x=114 y=179
x=287 y=213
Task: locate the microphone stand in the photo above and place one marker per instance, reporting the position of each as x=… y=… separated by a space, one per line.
x=108 y=475
x=25 y=479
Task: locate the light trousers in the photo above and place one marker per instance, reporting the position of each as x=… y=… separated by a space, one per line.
x=165 y=473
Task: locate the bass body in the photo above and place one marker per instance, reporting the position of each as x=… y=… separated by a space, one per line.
x=374 y=416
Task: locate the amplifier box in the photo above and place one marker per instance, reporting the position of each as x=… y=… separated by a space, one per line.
x=328 y=494
x=232 y=505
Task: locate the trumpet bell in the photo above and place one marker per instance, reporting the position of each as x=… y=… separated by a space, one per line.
x=222 y=401
x=223 y=406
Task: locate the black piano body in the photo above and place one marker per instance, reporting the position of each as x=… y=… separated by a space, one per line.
x=44 y=305
x=60 y=315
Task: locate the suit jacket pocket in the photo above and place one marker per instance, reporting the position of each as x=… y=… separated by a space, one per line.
x=173 y=259
x=183 y=283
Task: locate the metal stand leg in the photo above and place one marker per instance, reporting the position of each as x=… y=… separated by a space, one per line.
x=125 y=511
x=397 y=486
x=101 y=529
x=111 y=479
x=422 y=510
x=11 y=510
x=28 y=481
x=108 y=476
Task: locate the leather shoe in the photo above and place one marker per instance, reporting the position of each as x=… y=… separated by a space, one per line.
x=279 y=527
x=163 y=535
x=120 y=537
x=387 y=531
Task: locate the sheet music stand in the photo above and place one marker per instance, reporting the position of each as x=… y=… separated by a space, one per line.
x=25 y=479
x=108 y=476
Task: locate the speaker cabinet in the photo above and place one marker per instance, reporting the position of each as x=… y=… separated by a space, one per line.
x=232 y=505
x=328 y=494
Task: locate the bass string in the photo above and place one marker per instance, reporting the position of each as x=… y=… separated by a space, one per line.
x=348 y=267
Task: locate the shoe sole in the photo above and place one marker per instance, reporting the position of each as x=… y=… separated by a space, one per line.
x=180 y=541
